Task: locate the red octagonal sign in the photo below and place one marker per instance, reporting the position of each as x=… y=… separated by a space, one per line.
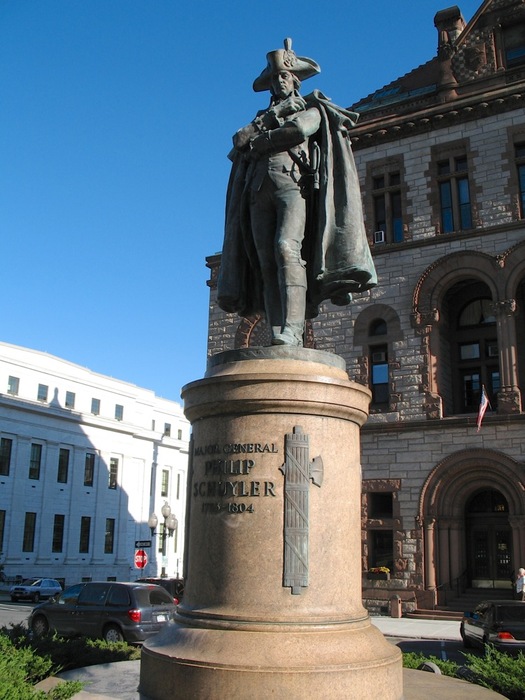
x=141 y=559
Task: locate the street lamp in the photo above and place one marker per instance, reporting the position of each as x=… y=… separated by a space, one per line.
x=170 y=525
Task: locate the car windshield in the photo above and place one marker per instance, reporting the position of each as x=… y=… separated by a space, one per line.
x=511 y=613
x=38 y=582
x=152 y=595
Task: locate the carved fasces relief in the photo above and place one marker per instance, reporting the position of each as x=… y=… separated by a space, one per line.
x=298 y=470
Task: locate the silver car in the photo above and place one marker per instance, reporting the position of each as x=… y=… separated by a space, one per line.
x=35 y=589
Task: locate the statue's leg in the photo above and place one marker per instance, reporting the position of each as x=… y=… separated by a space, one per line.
x=292 y=273
x=263 y=223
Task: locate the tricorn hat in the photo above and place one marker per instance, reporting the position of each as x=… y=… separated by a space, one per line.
x=285 y=59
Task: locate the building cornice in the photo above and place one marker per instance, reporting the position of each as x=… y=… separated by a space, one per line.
x=376 y=131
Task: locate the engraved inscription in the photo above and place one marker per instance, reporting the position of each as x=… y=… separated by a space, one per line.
x=221 y=479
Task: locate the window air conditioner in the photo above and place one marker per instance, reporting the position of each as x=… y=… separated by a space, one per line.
x=378 y=357
x=379 y=236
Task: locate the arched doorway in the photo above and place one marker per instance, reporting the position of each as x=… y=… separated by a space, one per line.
x=489 y=540
x=472 y=515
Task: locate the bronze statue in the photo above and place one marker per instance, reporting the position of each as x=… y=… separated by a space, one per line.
x=294 y=233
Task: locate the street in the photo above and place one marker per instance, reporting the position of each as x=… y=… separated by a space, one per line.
x=14 y=613
x=443 y=649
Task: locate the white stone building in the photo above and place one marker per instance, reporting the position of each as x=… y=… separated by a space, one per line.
x=84 y=461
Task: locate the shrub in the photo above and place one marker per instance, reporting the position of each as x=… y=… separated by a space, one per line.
x=26 y=659
x=21 y=668
x=499 y=672
x=414 y=659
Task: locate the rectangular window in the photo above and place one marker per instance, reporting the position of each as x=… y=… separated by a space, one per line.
x=113 y=473
x=63 y=465
x=471 y=390
x=514 y=42
x=519 y=153
x=58 y=533
x=109 y=539
x=89 y=469
x=162 y=538
x=13 y=384
x=469 y=351
x=42 y=392
x=119 y=412
x=85 y=528
x=6 y=448
x=379 y=376
x=165 y=482
x=454 y=194
x=381 y=548
x=167 y=429
x=178 y=487
x=2 y=529
x=179 y=434
x=70 y=399
x=28 y=542
x=388 y=214
x=380 y=505
x=35 y=461
x=95 y=407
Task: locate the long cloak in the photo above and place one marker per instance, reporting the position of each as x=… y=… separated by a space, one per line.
x=335 y=248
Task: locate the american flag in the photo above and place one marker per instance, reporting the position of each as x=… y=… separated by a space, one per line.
x=484 y=403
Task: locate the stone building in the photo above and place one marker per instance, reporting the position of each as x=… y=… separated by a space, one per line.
x=84 y=461
x=441 y=157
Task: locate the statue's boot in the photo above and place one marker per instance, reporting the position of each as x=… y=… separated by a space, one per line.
x=292 y=333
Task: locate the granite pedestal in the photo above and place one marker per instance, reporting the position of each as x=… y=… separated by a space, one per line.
x=272 y=605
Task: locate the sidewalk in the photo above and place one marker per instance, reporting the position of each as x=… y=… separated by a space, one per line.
x=119 y=681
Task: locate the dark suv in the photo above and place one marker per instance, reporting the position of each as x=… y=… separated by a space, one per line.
x=109 y=610
x=174 y=586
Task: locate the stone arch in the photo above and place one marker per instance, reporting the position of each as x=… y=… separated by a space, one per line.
x=365 y=318
x=253 y=331
x=452 y=481
x=441 y=275
x=513 y=263
x=428 y=320
x=442 y=505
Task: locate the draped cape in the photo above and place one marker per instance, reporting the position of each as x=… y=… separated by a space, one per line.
x=335 y=247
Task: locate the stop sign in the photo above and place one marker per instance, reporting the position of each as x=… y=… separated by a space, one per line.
x=141 y=559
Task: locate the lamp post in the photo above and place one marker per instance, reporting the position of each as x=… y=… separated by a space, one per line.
x=170 y=525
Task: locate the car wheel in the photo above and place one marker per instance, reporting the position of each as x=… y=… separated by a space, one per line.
x=112 y=633
x=14 y=599
x=36 y=597
x=40 y=626
x=466 y=642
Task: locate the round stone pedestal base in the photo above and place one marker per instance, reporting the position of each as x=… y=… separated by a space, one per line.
x=272 y=604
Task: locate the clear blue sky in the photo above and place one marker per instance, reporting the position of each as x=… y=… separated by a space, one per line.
x=116 y=117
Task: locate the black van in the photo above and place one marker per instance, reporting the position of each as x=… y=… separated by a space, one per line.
x=174 y=586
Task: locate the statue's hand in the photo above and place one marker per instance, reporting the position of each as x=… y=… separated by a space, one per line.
x=292 y=104
x=260 y=146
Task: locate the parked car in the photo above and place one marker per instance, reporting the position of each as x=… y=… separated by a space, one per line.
x=35 y=589
x=110 y=610
x=174 y=586
x=497 y=622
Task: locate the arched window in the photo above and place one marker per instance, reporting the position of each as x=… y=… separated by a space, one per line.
x=471 y=336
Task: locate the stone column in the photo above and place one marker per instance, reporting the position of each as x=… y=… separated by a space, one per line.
x=430 y=559
x=272 y=606
x=509 y=396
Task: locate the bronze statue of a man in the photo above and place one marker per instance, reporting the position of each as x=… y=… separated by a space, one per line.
x=294 y=232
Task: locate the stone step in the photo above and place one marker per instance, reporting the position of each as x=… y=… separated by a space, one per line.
x=436 y=614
